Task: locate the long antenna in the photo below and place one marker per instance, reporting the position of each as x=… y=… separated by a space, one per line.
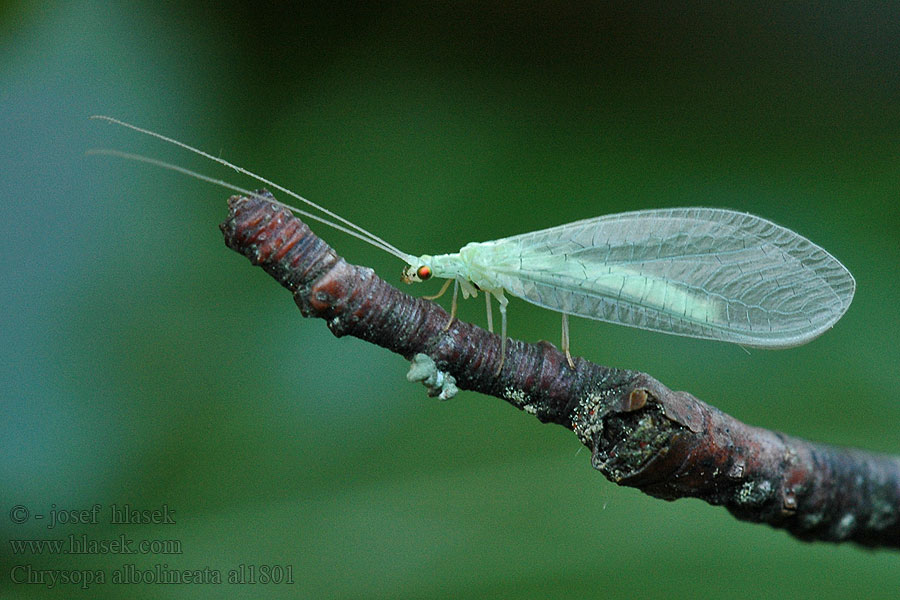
x=164 y=165
x=374 y=239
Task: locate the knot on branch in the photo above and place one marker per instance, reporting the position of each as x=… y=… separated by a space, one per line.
x=668 y=444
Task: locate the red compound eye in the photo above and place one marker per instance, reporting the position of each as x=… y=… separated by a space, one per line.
x=424 y=272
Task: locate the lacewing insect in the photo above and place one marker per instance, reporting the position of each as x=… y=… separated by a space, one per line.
x=699 y=272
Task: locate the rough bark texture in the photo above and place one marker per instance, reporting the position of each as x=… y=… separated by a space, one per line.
x=641 y=434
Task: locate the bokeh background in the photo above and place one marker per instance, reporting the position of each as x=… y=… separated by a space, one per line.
x=144 y=363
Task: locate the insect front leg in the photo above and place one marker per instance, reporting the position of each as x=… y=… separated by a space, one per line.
x=440 y=293
x=490 y=313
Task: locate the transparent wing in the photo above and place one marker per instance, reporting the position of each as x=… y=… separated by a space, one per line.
x=698 y=272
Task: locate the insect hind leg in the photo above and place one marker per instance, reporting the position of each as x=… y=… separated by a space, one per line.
x=565 y=339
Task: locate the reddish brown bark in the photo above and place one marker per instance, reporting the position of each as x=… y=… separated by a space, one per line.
x=641 y=434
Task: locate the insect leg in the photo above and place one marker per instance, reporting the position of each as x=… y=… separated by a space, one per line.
x=452 y=303
x=501 y=299
x=490 y=314
x=565 y=339
x=440 y=293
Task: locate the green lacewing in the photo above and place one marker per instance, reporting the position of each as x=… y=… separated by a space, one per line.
x=699 y=272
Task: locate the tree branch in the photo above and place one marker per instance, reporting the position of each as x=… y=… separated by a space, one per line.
x=641 y=434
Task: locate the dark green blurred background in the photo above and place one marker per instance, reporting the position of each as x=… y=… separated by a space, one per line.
x=143 y=362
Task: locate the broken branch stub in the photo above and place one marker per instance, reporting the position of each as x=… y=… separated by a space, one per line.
x=641 y=434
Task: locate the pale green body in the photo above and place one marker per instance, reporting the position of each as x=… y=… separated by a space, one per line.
x=698 y=272
x=497 y=266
